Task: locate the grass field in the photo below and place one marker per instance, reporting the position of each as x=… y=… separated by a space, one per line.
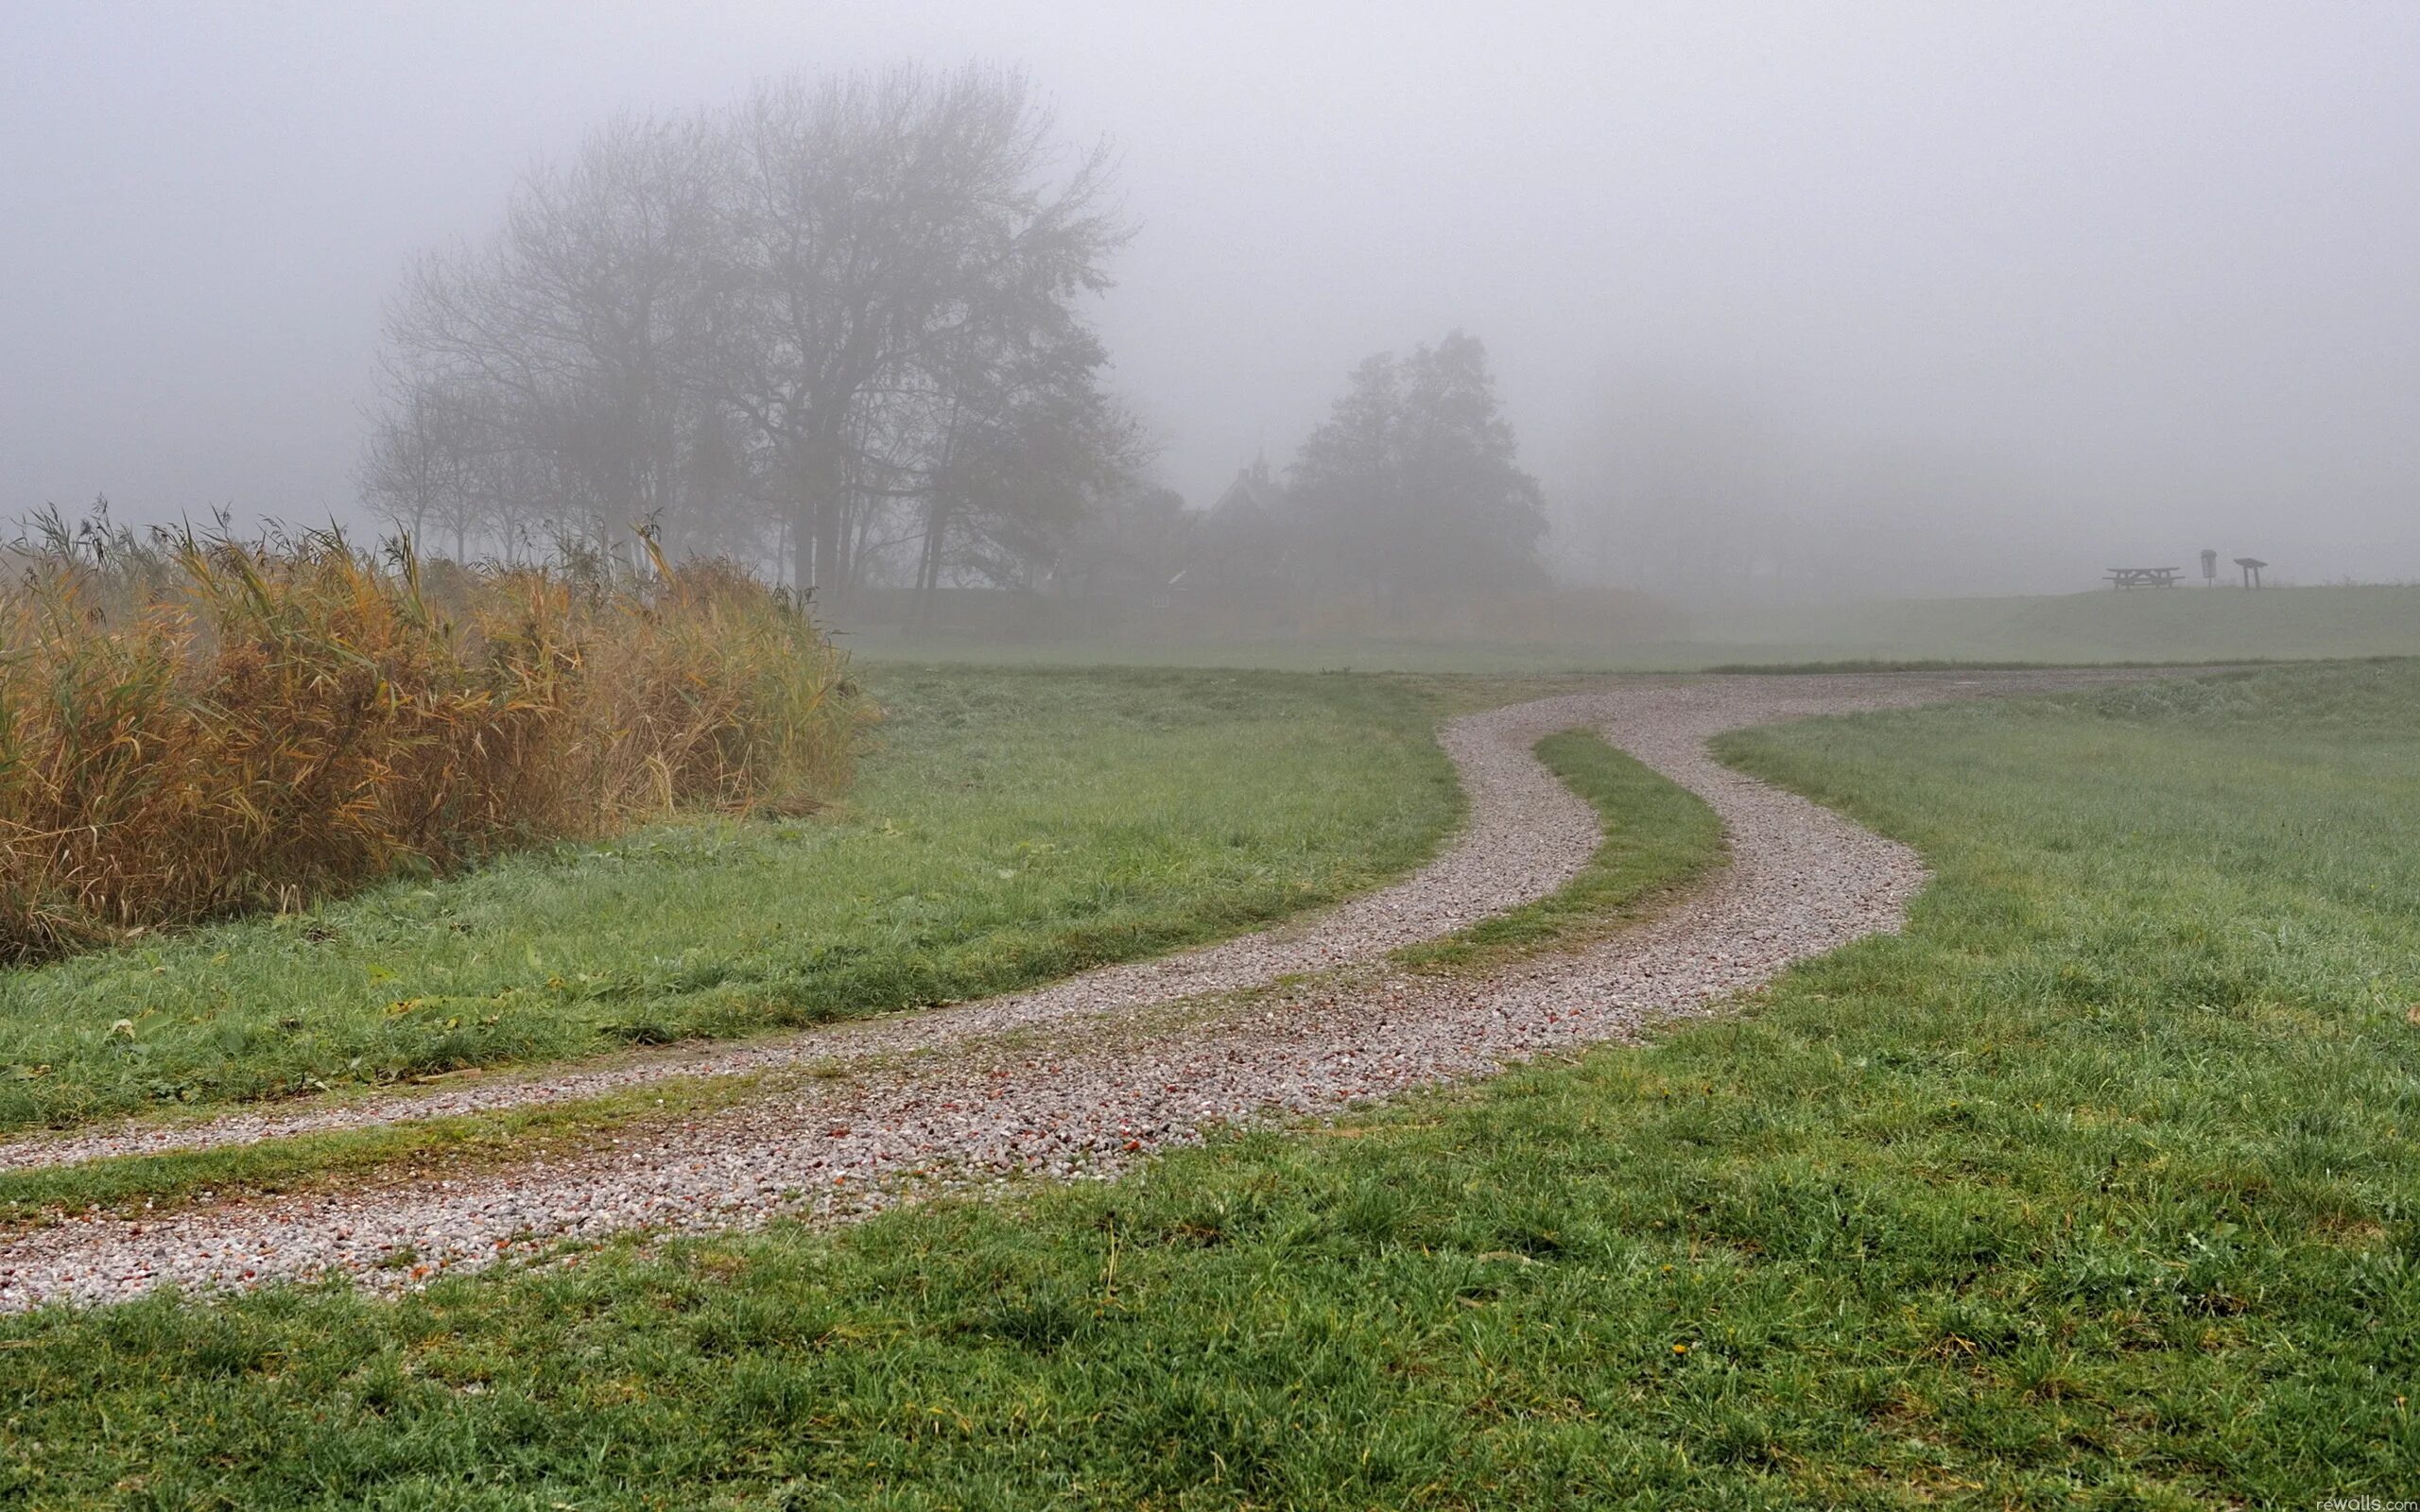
x=2095 y=1188
x=2157 y=625
x=1012 y=827
x=2174 y=626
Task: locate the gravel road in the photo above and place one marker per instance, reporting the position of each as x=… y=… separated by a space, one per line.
x=1082 y=1078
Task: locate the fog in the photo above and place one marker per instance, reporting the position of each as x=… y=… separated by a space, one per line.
x=1868 y=298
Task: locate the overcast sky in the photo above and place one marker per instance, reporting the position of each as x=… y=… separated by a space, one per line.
x=2152 y=271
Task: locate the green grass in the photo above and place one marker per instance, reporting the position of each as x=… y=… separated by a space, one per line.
x=1438 y=657
x=1010 y=828
x=1657 y=835
x=1862 y=665
x=2184 y=625
x=2096 y=1188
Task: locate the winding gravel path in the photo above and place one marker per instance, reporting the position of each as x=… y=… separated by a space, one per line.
x=1081 y=1077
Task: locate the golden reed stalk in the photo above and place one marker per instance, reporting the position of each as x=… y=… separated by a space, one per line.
x=196 y=726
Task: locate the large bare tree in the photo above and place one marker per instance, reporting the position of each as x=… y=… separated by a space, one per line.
x=579 y=327
x=841 y=322
x=900 y=236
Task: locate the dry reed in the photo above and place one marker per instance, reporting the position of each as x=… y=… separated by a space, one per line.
x=192 y=726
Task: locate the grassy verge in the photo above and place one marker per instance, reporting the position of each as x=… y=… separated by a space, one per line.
x=2096 y=1188
x=2186 y=624
x=1012 y=827
x=1883 y=664
x=1658 y=835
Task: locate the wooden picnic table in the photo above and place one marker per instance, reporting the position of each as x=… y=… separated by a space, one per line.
x=2144 y=576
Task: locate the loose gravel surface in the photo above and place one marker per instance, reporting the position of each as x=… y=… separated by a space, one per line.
x=1081 y=1078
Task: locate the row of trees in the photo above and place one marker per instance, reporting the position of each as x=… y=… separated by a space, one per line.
x=837 y=329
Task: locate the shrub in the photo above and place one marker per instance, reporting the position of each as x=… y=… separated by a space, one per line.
x=195 y=726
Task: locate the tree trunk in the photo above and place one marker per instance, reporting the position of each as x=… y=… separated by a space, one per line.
x=828 y=540
x=929 y=559
x=802 y=532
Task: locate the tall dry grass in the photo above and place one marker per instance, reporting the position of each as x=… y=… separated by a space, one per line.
x=193 y=725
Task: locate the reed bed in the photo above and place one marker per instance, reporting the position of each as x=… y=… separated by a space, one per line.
x=194 y=725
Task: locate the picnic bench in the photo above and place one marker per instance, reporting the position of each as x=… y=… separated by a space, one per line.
x=2144 y=576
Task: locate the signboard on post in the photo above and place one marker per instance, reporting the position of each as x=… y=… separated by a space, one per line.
x=2209 y=565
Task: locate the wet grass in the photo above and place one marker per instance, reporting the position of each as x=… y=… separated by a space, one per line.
x=1010 y=827
x=2095 y=1188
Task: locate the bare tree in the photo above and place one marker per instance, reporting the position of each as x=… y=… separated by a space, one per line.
x=1025 y=449
x=839 y=324
x=582 y=323
x=421 y=467
x=891 y=227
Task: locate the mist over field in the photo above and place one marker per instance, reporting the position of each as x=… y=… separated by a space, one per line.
x=1332 y=754
x=1780 y=304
